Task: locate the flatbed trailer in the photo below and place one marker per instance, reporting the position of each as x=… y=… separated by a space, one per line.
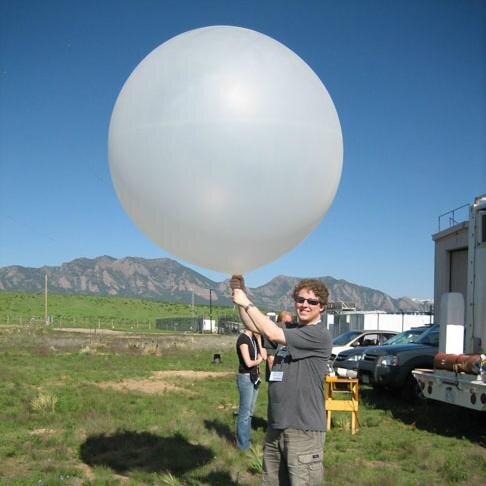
x=460 y=308
x=460 y=389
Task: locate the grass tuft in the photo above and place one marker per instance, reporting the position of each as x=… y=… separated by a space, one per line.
x=373 y=421
x=170 y=480
x=341 y=422
x=44 y=402
x=87 y=350
x=151 y=349
x=454 y=470
x=256 y=462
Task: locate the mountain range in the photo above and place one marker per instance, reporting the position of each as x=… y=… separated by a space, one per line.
x=165 y=279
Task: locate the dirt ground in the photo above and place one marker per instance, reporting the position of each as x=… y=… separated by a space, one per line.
x=158 y=382
x=83 y=330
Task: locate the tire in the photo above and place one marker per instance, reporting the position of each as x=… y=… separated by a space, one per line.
x=411 y=390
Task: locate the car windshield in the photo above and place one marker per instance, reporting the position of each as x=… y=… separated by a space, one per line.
x=430 y=337
x=405 y=337
x=343 y=339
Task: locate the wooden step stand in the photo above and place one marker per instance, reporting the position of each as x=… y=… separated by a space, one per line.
x=349 y=386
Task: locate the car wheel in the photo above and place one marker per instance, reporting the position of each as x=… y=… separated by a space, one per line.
x=411 y=390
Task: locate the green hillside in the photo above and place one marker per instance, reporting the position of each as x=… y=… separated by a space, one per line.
x=84 y=310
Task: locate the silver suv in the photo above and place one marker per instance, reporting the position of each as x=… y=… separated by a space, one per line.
x=354 y=339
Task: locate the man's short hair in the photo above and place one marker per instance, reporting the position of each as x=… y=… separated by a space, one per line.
x=282 y=315
x=318 y=287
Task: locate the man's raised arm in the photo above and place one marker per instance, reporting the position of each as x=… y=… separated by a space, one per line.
x=252 y=317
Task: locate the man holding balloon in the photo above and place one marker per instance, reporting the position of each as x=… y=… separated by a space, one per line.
x=211 y=112
x=294 y=442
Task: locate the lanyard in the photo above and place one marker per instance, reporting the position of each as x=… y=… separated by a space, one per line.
x=253 y=342
x=280 y=358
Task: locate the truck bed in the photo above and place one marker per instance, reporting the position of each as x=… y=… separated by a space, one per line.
x=460 y=389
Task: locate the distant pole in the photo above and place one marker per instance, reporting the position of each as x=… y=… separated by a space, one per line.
x=211 y=310
x=192 y=310
x=46 y=316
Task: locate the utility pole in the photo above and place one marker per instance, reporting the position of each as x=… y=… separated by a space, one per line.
x=211 y=310
x=46 y=315
x=192 y=310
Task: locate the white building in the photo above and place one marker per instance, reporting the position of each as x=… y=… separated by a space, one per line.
x=371 y=320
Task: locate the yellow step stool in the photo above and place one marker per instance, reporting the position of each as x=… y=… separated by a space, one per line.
x=346 y=385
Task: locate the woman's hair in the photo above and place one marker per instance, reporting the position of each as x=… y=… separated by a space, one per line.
x=318 y=287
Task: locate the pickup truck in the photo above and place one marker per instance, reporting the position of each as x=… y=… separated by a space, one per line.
x=346 y=362
x=391 y=366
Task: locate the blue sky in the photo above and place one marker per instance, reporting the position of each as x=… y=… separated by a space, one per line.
x=408 y=79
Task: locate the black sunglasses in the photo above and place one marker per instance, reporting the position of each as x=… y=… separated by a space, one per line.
x=301 y=300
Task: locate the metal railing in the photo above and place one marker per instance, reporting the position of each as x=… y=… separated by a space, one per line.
x=454 y=216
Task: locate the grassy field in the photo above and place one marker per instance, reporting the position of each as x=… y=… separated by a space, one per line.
x=116 y=408
x=121 y=313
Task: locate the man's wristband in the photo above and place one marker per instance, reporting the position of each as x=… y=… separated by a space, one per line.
x=248 y=306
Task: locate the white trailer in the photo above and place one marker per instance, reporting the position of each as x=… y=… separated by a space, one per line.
x=208 y=325
x=371 y=320
x=460 y=308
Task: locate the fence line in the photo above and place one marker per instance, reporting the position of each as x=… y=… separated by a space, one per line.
x=198 y=324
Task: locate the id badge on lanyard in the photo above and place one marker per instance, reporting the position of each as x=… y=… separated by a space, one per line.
x=276 y=376
x=277 y=372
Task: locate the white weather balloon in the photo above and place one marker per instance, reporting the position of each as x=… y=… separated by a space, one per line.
x=225 y=148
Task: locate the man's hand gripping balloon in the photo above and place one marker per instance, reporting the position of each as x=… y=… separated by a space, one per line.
x=237 y=285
